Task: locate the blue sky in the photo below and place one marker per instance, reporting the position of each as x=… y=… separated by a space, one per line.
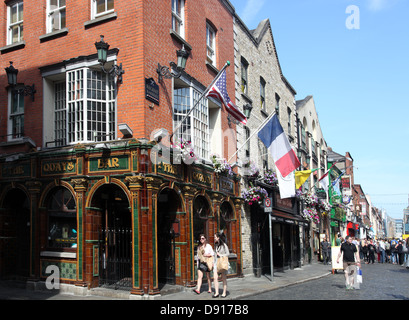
x=359 y=79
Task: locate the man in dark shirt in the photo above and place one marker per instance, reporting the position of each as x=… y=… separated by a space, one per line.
x=350 y=258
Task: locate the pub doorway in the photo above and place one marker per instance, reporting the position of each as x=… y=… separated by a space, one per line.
x=115 y=237
x=15 y=236
x=168 y=230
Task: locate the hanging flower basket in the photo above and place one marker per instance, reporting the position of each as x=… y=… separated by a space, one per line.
x=325 y=206
x=270 y=177
x=251 y=171
x=220 y=165
x=185 y=149
x=310 y=199
x=254 y=195
x=311 y=214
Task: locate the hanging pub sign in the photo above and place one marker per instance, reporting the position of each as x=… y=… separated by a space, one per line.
x=151 y=90
x=346 y=182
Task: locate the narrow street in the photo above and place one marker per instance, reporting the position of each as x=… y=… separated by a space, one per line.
x=380 y=282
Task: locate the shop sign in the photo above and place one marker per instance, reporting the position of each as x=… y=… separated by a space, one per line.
x=202 y=177
x=226 y=185
x=346 y=182
x=50 y=168
x=16 y=170
x=116 y=163
x=167 y=169
x=151 y=90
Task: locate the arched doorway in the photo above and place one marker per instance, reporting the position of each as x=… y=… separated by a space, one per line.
x=15 y=236
x=115 y=237
x=168 y=229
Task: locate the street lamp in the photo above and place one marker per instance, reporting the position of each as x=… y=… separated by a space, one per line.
x=12 y=81
x=175 y=70
x=102 y=50
x=247 y=110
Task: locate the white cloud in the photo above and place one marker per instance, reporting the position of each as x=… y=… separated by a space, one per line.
x=251 y=9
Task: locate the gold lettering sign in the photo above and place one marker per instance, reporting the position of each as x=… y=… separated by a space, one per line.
x=108 y=163
x=202 y=178
x=58 y=167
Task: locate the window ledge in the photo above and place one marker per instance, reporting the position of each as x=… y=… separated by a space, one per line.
x=53 y=35
x=212 y=67
x=107 y=17
x=179 y=39
x=12 y=47
x=245 y=96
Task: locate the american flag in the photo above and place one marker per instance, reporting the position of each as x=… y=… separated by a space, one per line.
x=219 y=91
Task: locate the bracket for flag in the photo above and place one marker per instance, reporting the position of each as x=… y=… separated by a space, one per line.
x=197 y=102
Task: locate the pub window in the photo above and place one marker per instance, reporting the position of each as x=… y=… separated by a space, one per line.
x=81 y=107
x=211 y=44
x=101 y=7
x=244 y=71
x=201 y=213
x=55 y=15
x=16 y=119
x=62 y=219
x=178 y=17
x=225 y=221
x=15 y=22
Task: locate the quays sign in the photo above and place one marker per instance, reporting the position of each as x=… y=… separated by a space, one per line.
x=58 y=167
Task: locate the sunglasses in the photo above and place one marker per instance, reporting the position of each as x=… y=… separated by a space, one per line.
x=202 y=238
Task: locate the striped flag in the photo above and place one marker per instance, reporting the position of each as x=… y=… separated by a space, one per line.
x=219 y=91
x=275 y=140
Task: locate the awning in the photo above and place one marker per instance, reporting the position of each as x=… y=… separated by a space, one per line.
x=283 y=217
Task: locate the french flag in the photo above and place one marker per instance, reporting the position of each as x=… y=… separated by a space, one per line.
x=275 y=140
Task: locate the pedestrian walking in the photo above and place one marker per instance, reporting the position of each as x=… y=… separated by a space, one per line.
x=394 y=254
x=350 y=260
x=326 y=249
x=221 y=265
x=399 y=249
x=365 y=250
x=205 y=263
x=371 y=252
x=382 y=250
x=387 y=251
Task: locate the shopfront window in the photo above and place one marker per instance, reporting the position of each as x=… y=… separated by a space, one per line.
x=62 y=219
x=225 y=218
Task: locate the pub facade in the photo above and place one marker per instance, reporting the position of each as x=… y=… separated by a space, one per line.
x=86 y=187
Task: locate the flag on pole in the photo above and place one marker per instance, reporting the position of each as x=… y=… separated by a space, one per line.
x=286 y=185
x=324 y=181
x=219 y=91
x=275 y=140
x=302 y=176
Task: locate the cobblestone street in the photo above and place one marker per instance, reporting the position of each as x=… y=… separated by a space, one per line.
x=380 y=282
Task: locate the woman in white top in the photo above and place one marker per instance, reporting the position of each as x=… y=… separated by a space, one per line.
x=221 y=251
x=204 y=250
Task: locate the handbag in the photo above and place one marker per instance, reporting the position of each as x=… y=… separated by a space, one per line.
x=222 y=264
x=210 y=263
x=203 y=266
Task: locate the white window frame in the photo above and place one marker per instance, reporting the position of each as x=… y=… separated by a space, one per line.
x=54 y=12
x=210 y=44
x=66 y=117
x=15 y=115
x=196 y=127
x=20 y=7
x=94 y=9
x=178 y=18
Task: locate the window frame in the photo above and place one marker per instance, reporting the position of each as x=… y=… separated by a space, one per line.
x=244 y=76
x=19 y=4
x=262 y=94
x=15 y=115
x=94 y=9
x=50 y=12
x=178 y=17
x=211 y=44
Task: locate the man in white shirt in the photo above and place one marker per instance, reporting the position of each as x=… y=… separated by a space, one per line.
x=382 y=250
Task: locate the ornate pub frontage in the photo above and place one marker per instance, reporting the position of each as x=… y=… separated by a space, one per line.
x=114 y=215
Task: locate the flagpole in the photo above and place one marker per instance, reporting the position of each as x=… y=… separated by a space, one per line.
x=251 y=136
x=200 y=98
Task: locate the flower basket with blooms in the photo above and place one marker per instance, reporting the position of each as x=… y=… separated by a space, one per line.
x=311 y=214
x=186 y=149
x=325 y=206
x=254 y=195
x=220 y=165
x=270 y=177
x=251 y=170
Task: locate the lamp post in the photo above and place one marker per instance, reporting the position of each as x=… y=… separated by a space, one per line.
x=102 y=50
x=175 y=70
x=12 y=81
x=247 y=110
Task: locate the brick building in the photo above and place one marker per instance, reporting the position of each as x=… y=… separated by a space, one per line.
x=87 y=183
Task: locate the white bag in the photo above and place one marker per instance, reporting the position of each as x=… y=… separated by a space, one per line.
x=358 y=275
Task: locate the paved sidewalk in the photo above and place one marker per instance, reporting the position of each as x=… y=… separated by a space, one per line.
x=237 y=288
